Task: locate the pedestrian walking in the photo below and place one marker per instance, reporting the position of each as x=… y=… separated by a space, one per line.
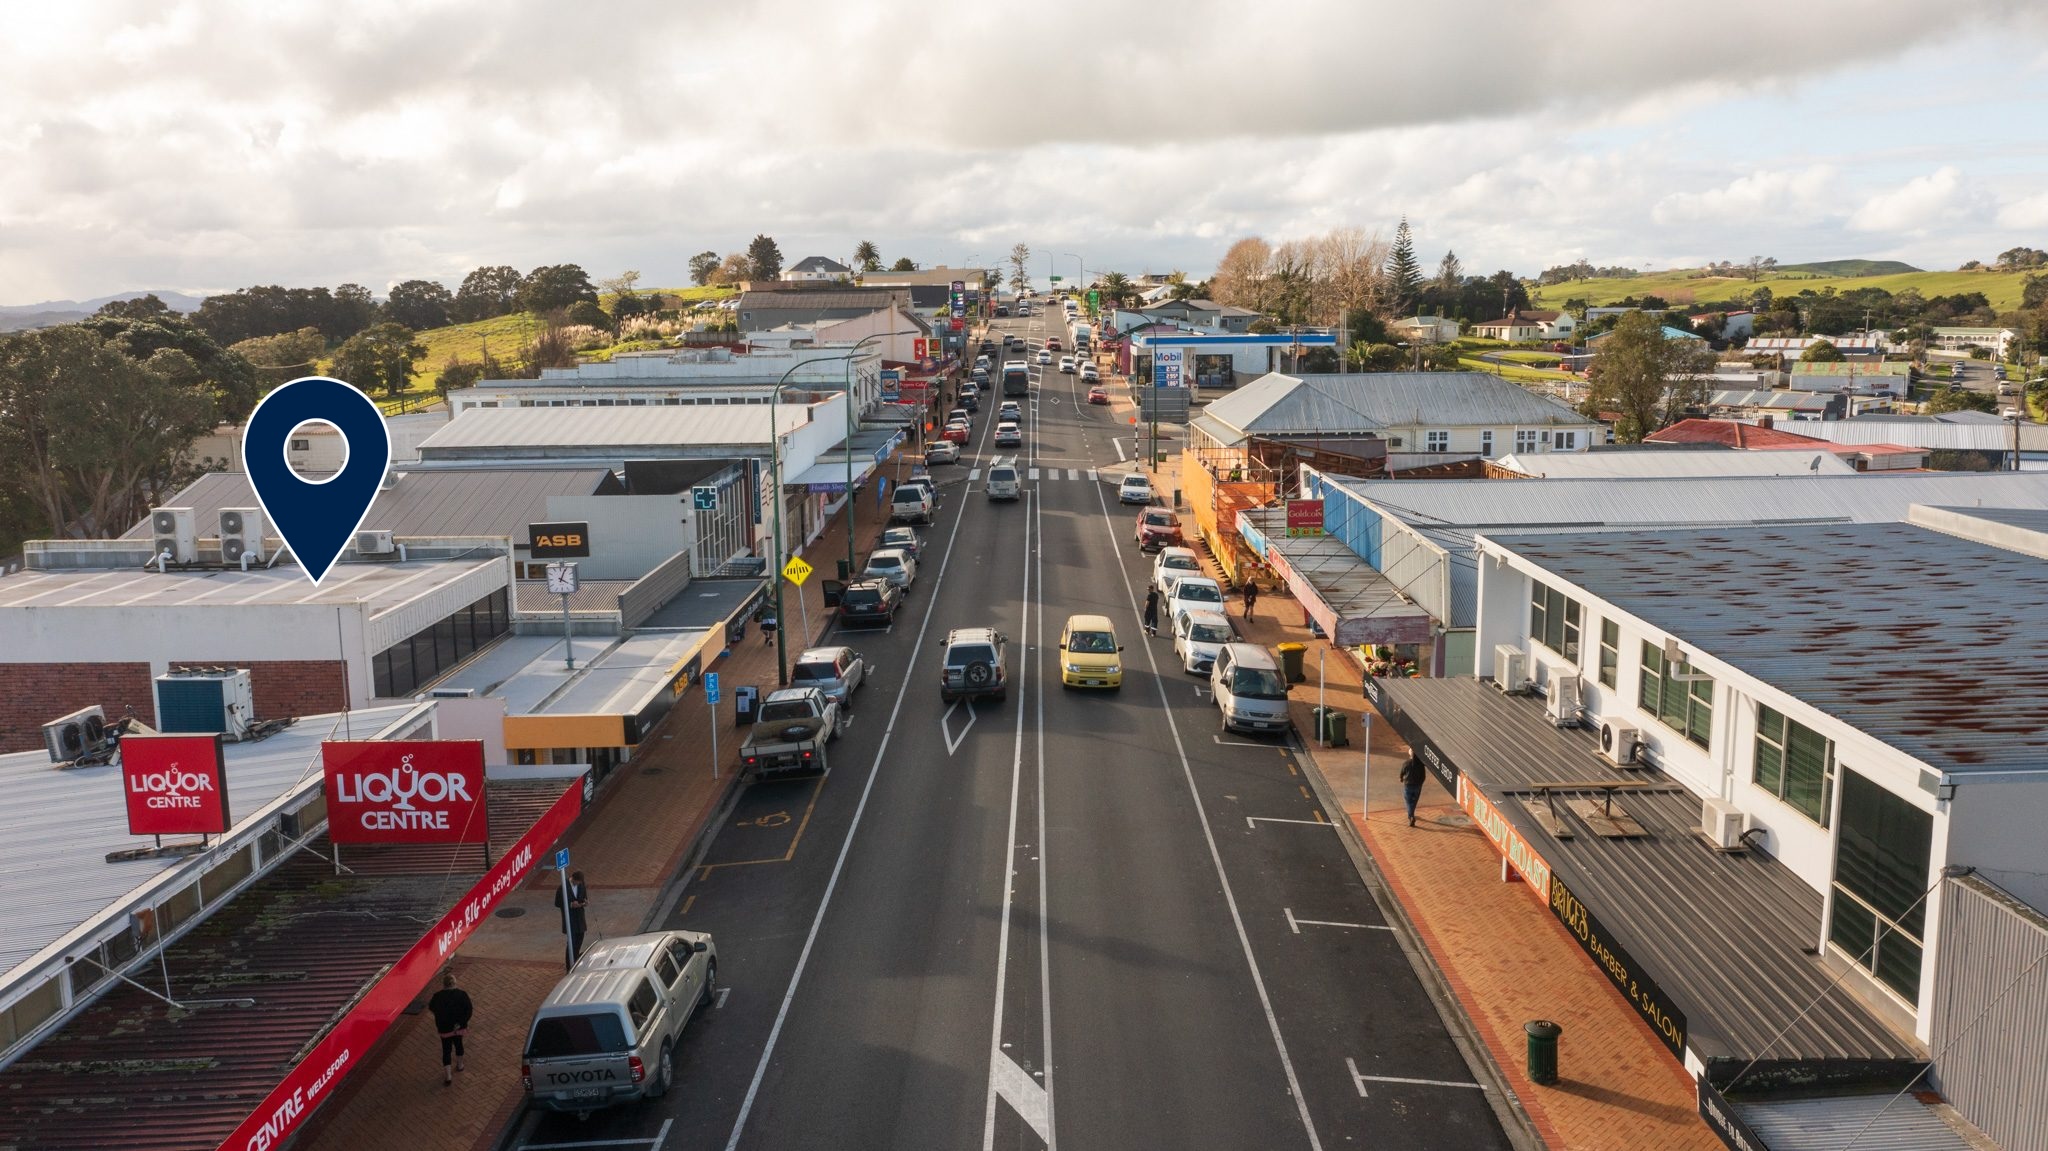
x=572 y=920
x=451 y=1010
x=1251 y=597
x=1411 y=784
x=1152 y=611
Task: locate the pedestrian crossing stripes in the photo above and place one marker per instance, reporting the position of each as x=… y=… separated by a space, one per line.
x=1077 y=475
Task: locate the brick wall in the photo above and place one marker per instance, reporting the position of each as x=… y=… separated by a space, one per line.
x=288 y=687
x=33 y=694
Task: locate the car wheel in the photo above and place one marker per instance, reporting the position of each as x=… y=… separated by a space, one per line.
x=664 y=1074
x=710 y=984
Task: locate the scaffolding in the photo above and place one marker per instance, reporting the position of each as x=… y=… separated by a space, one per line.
x=1225 y=479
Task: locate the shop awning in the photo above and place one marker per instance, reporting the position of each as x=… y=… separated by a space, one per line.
x=828 y=477
x=1353 y=603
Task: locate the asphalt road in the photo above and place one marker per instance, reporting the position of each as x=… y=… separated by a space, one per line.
x=1079 y=919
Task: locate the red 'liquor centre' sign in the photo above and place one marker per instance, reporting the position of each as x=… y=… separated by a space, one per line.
x=174 y=784
x=405 y=791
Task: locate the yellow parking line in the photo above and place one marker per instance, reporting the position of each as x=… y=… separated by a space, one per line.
x=786 y=856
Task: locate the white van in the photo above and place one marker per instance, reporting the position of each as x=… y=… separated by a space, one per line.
x=1250 y=692
x=1003 y=483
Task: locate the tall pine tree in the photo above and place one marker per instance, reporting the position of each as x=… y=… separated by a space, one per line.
x=1404 y=275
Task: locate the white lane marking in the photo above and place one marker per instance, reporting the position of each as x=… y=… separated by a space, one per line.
x=1050 y=1133
x=803 y=959
x=973 y=474
x=997 y=1061
x=1222 y=742
x=1119 y=446
x=1244 y=941
x=1295 y=925
x=1250 y=819
x=946 y=725
x=1073 y=474
x=718 y=1001
x=654 y=1144
x=1359 y=1081
x=1093 y=475
x=1030 y=473
x=1033 y=1102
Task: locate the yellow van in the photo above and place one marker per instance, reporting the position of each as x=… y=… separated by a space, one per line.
x=1089 y=653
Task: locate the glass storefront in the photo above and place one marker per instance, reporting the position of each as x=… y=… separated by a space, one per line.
x=400 y=669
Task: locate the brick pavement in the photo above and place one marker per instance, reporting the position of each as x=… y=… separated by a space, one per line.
x=645 y=819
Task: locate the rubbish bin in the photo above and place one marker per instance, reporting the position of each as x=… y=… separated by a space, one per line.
x=845 y=571
x=1330 y=726
x=1542 y=1050
x=834 y=587
x=1290 y=661
x=745 y=702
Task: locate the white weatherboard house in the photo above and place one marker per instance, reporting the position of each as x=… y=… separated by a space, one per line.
x=1424 y=417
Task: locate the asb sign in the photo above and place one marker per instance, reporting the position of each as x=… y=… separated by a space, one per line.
x=174 y=784
x=558 y=541
x=405 y=791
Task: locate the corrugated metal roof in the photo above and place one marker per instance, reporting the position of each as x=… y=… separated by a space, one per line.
x=380 y=585
x=591 y=428
x=1990 y=434
x=1673 y=465
x=480 y=502
x=1370 y=402
x=1862 y=1122
x=57 y=827
x=1928 y=642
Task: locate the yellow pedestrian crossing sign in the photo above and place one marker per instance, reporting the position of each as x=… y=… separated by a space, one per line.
x=796 y=570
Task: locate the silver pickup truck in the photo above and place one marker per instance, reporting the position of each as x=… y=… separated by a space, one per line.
x=911 y=503
x=790 y=733
x=607 y=1033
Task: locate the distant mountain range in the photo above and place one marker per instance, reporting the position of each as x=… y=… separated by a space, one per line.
x=14 y=317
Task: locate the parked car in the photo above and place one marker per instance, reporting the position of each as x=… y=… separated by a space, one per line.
x=1008 y=435
x=903 y=539
x=960 y=414
x=957 y=431
x=1135 y=489
x=790 y=733
x=1172 y=564
x=1193 y=593
x=974 y=664
x=1157 y=528
x=984 y=363
x=942 y=452
x=1098 y=395
x=910 y=504
x=1089 y=372
x=1066 y=365
x=1198 y=636
x=836 y=671
x=869 y=603
x=1089 y=654
x=1043 y=356
x=607 y=1032
x=890 y=564
x=1249 y=692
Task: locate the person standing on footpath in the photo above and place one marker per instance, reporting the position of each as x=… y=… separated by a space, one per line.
x=572 y=923
x=451 y=1010
x=1411 y=784
x=1152 y=611
x=1251 y=597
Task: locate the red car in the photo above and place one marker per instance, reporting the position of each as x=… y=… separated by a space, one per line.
x=1157 y=528
x=1052 y=344
x=1098 y=395
x=958 y=433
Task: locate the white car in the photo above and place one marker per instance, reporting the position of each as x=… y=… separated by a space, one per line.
x=892 y=564
x=1008 y=435
x=1090 y=373
x=1011 y=412
x=1067 y=365
x=1043 y=356
x=1135 y=489
x=1172 y=564
x=1194 y=593
x=1197 y=635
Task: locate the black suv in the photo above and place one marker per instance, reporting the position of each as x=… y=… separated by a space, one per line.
x=974 y=664
x=872 y=602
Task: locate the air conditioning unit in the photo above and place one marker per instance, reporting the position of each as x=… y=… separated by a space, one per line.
x=452 y=693
x=1561 y=703
x=1509 y=669
x=1723 y=824
x=175 y=530
x=202 y=702
x=75 y=734
x=241 y=534
x=374 y=543
x=1620 y=744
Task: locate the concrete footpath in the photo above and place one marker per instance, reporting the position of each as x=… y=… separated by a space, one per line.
x=643 y=824
x=1499 y=951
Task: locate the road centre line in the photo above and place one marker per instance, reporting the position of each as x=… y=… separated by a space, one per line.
x=1215 y=857
x=845 y=847
x=1359 y=1080
x=1295 y=925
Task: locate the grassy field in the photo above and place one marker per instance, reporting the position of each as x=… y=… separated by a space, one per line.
x=1680 y=287
x=1512 y=372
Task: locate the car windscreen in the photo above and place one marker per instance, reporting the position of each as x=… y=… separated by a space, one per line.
x=1158 y=519
x=784 y=711
x=1210 y=633
x=1181 y=563
x=1092 y=643
x=570 y=1036
x=967 y=653
x=1256 y=683
x=1198 y=592
x=884 y=562
x=816 y=672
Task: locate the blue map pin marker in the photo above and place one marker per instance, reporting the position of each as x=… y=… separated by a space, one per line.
x=317 y=518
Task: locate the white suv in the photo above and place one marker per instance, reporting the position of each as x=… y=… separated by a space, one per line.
x=974 y=664
x=1250 y=692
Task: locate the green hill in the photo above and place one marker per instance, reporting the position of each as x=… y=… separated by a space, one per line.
x=1685 y=286
x=1851 y=267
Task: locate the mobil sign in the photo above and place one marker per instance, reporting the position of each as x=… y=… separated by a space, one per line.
x=405 y=791
x=174 y=784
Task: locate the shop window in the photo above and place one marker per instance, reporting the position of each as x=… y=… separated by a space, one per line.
x=1554 y=620
x=1879 y=912
x=1794 y=763
x=1610 y=652
x=1685 y=705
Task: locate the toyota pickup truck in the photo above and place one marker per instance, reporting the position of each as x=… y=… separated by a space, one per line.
x=790 y=733
x=910 y=504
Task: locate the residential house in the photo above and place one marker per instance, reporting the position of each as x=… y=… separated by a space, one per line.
x=1525 y=325
x=1739 y=325
x=1204 y=314
x=817 y=269
x=1670 y=333
x=1861 y=346
x=1424 y=329
x=1997 y=341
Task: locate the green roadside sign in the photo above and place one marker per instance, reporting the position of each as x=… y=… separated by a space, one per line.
x=1056 y=279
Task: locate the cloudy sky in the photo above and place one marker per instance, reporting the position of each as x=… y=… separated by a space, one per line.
x=207 y=146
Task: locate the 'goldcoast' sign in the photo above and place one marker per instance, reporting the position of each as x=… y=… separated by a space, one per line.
x=174 y=784
x=405 y=791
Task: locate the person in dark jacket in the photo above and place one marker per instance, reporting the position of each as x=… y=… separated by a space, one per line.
x=1152 y=611
x=451 y=1010
x=579 y=898
x=1411 y=784
x=1251 y=597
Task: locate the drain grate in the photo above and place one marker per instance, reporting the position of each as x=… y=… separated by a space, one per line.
x=509 y=912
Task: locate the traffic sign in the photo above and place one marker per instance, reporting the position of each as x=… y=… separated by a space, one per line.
x=1056 y=279
x=710 y=687
x=796 y=570
x=562 y=859
x=705 y=498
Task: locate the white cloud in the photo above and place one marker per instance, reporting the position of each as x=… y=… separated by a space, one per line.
x=1804 y=194
x=1915 y=206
